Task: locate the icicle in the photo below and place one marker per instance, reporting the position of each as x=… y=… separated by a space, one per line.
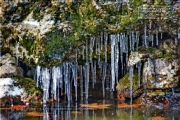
x=55 y=85
x=45 y=84
x=152 y=37
x=91 y=48
x=160 y=30
x=93 y=75
x=121 y=42
x=126 y=48
x=127 y=57
x=74 y=72
x=133 y=41
x=67 y=81
x=38 y=73
x=101 y=37
x=137 y=40
x=116 y=58
x=104 y=77
x=86 y=79
x=105 y=42
x=150 y=24
x=61 y=80
x=131 y=81
x=99 y=50
x=81 y=81
x=175 y=40
x=139 y=73
x=145 y=36
x=157 y=40
x=17 y=53
x=130 y=40
x=112 y=61
x=87 y=83
x=87 y=50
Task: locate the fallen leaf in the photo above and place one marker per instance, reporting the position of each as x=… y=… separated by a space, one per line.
x=95 y=106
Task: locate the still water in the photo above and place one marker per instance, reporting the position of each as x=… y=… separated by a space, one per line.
x=96 y=107
x=101 y=110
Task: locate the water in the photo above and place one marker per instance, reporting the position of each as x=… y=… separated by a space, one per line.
x=99 y=109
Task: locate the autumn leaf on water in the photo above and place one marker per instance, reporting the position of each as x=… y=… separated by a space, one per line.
x=158 y=118
x=124 y=105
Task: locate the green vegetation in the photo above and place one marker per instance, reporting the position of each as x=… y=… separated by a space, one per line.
x=158 y=52
x=76 y=22
x=28 y=43
x=85 y=20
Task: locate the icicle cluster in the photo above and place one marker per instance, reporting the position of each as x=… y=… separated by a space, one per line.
x=66 y=77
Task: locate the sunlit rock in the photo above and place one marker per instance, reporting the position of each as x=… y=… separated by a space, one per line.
x=43 y=26
x=134 y=58
x=9 y=70
x=7 y=88
x=160 y=74
x=7 y=59
x=8 y=67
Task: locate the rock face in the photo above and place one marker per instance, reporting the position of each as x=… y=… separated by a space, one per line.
x=8 y=67
x=160 y=74
x=134 y=58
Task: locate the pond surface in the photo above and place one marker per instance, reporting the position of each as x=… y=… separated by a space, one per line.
x=93 y=109
x=96 y=107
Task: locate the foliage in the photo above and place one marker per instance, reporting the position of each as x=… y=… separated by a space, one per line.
x=28 y=43
x=81 y=20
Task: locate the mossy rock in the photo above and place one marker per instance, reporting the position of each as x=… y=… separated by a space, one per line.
x=28 y=84
x=155 y=93
x=124 y=83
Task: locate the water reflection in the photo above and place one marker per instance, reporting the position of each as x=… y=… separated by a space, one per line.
x=91 y=109
x=74 y=112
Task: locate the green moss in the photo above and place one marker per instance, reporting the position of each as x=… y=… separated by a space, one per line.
x=157 y=53
x=28 y=43
x=124 y=83
x=156 y=92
